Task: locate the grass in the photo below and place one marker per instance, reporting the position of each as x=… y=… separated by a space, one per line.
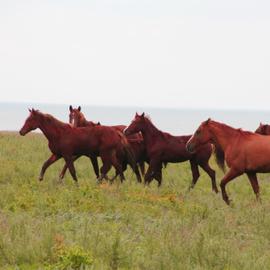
x=46 y=225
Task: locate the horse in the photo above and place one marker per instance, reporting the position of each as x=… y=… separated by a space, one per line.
x=66 y=142
x=244 y=152
x=163 y=147
x=263 y=129
x=77 y=119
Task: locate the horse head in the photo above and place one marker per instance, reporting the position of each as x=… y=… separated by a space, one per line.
x=136 y=125
x=31 y=123
x=263 y=129
x=76 y=117
x=201 y=136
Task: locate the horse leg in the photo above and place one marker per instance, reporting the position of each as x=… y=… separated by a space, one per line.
x=137 y=172
x=158 y=176
x=230 y=175
x=94 y=162
x=254 y=183
x=212 y=174
x=70 y=165
x=106 y=165
x=63 y=172
x=148 y=177
x=195 y=173
x=154 y=167
x=117 y=165
x=46 y=164
x=142 y=168
x=124 y=167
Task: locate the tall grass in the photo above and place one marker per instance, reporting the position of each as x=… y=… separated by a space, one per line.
x=47 y=225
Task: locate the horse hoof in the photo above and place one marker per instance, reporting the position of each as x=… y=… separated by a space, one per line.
x=228 y=202
x=60 y=181
x=40 y=178
x=98 y=181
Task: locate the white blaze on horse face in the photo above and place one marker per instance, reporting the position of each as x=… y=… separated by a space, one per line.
x=72 y=120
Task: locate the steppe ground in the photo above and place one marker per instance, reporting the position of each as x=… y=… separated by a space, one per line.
x=47 y=225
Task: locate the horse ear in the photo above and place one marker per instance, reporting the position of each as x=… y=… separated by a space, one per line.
x=29 y=110
x=33 y=111
x=98 y=123
x=70 y=108
x=208 y=120
x=142 y=114
x=136 y=114
x=79 y=108
x=261 y=124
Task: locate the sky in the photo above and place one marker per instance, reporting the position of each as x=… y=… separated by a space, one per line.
x=149 y=53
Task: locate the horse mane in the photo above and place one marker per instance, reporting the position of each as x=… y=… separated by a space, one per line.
x=239 y=130
x=50 y=118
x=245 y=132
x=154 y=128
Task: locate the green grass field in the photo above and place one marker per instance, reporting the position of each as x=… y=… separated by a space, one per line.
x=46 y=225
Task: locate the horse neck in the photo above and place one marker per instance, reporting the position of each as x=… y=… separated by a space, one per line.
x=223 y=135
x=82 y=121
x=150 y=133
x=51 y=127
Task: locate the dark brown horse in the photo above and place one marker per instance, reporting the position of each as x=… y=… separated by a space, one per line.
x=263 y=129
x=163 y=148
x=77 y=119
x=243 y=151
x=66 y=142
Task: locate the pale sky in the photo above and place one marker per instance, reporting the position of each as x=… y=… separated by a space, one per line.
x=176 y=54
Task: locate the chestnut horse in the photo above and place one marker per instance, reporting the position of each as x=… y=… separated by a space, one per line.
x=77 y=119
x=163 y=147
x=67 y=141
x=243 y=151
x=263 y=129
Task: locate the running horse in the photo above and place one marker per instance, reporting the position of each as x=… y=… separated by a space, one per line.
x=77 y=119
x=244 y=152
x=163 y=147
x=66 y=142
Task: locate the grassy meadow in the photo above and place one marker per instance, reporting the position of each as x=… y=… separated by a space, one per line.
x=47 y=225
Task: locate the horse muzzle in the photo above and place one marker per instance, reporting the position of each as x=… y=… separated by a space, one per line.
x=22 y=132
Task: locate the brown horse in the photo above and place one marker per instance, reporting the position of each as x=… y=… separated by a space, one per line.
x=67 y=141
x=263 y=129
x=243 y=151
x=77 y=119
x=163 y=148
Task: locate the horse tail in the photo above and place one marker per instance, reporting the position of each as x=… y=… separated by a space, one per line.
x=220 y=157
x=128 y=150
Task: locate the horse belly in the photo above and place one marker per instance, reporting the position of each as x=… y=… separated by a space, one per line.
x=177 y=154
x=82 y=146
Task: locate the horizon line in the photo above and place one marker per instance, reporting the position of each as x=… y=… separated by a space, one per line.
x=137 y=107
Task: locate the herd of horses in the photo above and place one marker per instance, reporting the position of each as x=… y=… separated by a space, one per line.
x=142 y=142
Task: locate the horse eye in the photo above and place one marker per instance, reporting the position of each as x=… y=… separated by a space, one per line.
x=198 y=132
